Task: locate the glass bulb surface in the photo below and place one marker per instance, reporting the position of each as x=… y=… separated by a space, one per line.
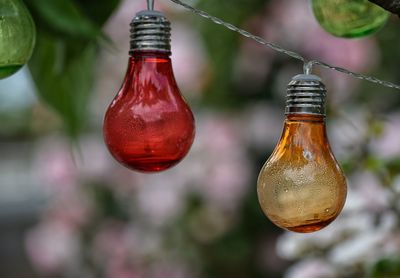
x=148 y=126
x=349 y=19
x=301 y=187
x=17 y=36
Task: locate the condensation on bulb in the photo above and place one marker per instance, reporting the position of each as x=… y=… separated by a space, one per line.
x=17 y=36
x=349 y=19
x=301 y=187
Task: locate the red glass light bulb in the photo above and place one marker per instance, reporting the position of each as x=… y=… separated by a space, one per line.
x=148 y=126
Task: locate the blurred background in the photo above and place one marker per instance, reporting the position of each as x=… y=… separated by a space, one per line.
x=69 y=210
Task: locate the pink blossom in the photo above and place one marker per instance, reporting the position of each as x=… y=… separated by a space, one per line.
x=119 y=270
x=225 y=167
x=348 y=132
x=55 y=165
x=73 y=209
x=52 y=246
x=159 y=200
x=388 y=147
x=311 y=268
x=369 y=188
x=110 y=243
x=171 y=269
x=188 y=59
x=262 y=125
x=93 y=161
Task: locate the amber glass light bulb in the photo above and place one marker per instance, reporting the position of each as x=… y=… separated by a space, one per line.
x=301 y=187
x=148 y=126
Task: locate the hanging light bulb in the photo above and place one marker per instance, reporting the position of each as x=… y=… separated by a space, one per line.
x=301 y=187
x=349 y=18
x=148 y=126
x=17 y=36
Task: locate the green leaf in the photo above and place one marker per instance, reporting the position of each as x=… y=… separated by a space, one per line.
x=63 y=74
x=62 y=64
x=64 y=16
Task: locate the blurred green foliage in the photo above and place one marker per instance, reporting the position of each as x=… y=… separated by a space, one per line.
x=386 y=268
x=62 y=66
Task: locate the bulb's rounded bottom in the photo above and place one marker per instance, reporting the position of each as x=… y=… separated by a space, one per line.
x=311 y=226
x=352 y=34
x=6 y=71
x=150 y=165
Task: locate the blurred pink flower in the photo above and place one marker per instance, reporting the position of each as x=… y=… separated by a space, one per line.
x=110 y=246
x=119 y=270
x=262 y=125
x=348 y=132
x=73 y=209
x=311 y=268
x=55 y=165
x=388 y=147
x=160 y=198
x=52 y=246
x=188 y=59
x=93 y=160
x=170 y=269
x=356 y=250
x=374 y=195
x=226 y=168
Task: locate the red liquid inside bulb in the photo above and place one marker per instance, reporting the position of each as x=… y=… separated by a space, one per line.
x=148 y=126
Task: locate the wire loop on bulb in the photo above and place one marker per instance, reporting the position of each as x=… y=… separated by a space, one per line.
x=308 y=67
x=150 y=5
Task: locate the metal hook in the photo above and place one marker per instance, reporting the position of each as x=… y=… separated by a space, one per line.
x=307 y=67
x=150 y=5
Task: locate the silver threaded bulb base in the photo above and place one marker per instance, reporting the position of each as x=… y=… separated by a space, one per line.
x=151 y=31
x=306 y=95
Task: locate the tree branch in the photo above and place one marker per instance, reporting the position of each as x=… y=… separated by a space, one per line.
x=392 y=6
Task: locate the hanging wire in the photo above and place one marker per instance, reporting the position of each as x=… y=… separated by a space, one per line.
x=150 y=5
x=307 y=65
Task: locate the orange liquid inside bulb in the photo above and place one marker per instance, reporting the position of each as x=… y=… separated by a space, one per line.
x=301 y=187
x=149 y=127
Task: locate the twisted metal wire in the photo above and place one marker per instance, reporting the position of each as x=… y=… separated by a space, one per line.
x=150 y=5
x=308 y=65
